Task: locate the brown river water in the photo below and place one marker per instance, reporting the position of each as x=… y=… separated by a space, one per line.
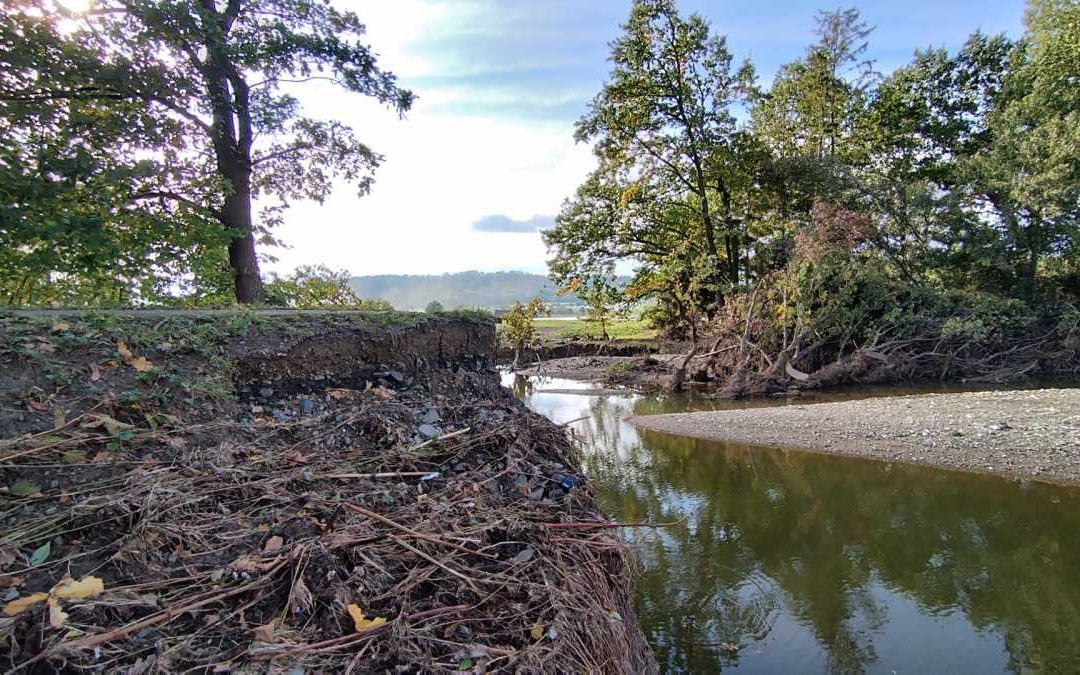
x=791 y=562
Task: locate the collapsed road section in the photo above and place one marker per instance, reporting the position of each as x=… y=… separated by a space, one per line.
x=308 y=492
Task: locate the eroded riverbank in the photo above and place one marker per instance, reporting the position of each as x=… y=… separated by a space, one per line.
x=1032 y=433
x=302 y=492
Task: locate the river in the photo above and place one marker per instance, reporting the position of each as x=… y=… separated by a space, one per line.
x=791 y=562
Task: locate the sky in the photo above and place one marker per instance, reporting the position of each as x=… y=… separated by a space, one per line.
x=486 y=156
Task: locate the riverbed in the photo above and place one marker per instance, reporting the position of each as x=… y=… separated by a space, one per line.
x=787 y=561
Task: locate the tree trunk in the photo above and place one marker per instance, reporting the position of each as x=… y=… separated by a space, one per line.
x=236 y=216
x=232 y=137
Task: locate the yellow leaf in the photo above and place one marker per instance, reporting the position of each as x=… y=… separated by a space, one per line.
x=87 y=587
x=16 y=607
x=141 y=364
x=537 y=631
x=57 y=616
x=363 y=625
x=61 y=326
x=123 y=350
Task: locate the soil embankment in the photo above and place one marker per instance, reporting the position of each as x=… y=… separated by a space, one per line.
x=329 y=493
x=1031 y=433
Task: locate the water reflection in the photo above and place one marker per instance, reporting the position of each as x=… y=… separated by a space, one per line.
x=794 y=562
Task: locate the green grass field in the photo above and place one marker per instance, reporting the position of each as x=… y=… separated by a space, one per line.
x=556 y=329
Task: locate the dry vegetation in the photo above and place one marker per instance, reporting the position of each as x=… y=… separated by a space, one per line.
x=403 y=513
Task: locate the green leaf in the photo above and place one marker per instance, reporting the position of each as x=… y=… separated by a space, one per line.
x=22 y=488
x=40 y=554
x=465 y=663
x=74 y=457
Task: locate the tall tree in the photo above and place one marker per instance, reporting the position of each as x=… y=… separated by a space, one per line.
x=1032 y=169
x=209 y=75
x=661 y=122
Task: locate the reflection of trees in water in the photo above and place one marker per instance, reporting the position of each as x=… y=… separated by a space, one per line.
x=824 y=530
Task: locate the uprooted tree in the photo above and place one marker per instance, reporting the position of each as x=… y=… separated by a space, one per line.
x=856 y=226
x=141 y=131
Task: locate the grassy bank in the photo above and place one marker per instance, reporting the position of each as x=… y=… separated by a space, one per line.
x=559 y=329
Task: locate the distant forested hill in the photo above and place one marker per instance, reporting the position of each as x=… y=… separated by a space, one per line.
x=489 y=290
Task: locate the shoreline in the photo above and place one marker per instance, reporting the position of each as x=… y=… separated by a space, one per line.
x=1032 y=433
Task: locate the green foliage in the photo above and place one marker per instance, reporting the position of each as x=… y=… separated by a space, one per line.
x=518 y=325
x=137 y=135
x=957 y=173
x=317 y=287
x=670 y=155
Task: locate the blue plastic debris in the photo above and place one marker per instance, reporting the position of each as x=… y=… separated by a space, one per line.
x=568 y=480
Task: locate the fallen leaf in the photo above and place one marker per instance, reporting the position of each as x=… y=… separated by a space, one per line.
x=362 y=624
x=264 y=527
x=338 y=394
x=40 y=554
x=264 y=633
x=537 y=631
x=61 y=326
x=249 y=564
x=73 y=457
x=37 y=405
x=95 y=372
x=59 y=417
x=16 y=607
x=273 y=545
x=123 y=350
x=141 y=364
x=87 y=587
x=113 y=426
x=57 y=616
x=298 y=457
x=301 y=596
x=22 y=488
x=11 y=582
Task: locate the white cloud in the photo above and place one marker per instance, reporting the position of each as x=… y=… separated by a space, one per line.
x=443 y=170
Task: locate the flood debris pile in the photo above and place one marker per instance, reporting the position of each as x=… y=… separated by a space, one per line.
x=365 y=509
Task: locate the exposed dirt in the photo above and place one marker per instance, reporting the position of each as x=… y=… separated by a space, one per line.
x=239 y=482
x=569 y=348
x=647 y=373
x=1032 y=433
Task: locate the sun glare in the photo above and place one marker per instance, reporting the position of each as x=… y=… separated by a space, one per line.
x=78 y=6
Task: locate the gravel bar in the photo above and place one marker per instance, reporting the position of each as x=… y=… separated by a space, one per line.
x=1029 y=433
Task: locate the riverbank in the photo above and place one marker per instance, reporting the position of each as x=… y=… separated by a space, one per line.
x=266 y=491
x=1028 y=433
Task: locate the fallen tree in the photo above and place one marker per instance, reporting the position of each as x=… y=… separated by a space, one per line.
x=843 y=319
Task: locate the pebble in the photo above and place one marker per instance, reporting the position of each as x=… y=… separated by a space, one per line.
x=429 y=431
x=307 y=406
x=430 y=416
